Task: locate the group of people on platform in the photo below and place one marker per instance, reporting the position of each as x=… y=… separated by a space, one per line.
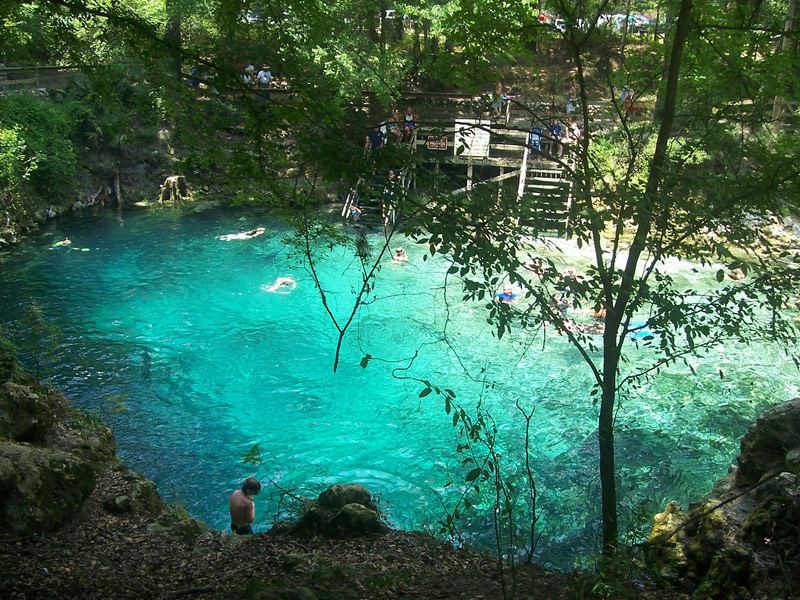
x=263 y=79
x=398 y=129
x=562 y=136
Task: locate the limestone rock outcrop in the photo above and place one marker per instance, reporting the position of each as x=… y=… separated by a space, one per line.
x=48 y=487
x=341 y=511
x=746 y=529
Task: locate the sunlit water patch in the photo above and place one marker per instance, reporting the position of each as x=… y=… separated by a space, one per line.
x=170 y=336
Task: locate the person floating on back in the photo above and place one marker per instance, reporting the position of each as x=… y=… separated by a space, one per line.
x=242 y=507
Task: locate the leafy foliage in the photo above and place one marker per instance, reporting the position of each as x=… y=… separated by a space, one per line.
x=43 y=130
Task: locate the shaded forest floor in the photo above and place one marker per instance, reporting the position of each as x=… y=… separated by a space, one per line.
x=115 y=556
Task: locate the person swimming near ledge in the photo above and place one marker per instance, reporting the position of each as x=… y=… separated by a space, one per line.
x=65 y=243
x=246 y=235
x=282 y=285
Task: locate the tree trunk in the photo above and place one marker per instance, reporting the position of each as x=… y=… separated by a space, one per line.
x=777 y=103
x=372 y=32
x=172 y=35
x=417 y=49
x=605 y=430
x=117 y=191
x=625 y=26
x=627 y=286
x=384 y=27
x=174 y=188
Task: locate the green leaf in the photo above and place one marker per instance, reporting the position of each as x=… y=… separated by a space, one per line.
x=365 y=361
x=253 y=457
x=720 y=275
x=425 y=392
x=473 y=475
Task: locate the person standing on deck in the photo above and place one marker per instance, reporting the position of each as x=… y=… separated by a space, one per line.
x=571 y=98
x=264 y=78
x=409 y=123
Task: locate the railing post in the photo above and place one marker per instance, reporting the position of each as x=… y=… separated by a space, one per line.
x=523 y=173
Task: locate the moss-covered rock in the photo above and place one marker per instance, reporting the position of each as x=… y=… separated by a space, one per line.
x=667 y=541
x=341 y=511
x=8 y=474
x=25 y=414
x=729 y=575
x=186 y=529
x=49 y=488
x=746 y=528
x=772 y=445
x=86 y=437
x=339 y=495
x=354 y=520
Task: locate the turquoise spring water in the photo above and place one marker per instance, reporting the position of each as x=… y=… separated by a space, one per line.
x=170 y=337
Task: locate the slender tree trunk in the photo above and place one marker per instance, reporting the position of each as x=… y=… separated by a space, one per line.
x=605 y=429
x=417 y=48
x=384 y=27
x=627 y=286
x=369 y=20
x=172 y=35
x=625 y=26
x=777 y=103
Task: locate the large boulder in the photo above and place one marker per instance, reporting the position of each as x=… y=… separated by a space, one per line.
x=26 y=415
x=341 y=511
x=734 y=538
x=771 y=445
x=46 y=489
x=342 y=494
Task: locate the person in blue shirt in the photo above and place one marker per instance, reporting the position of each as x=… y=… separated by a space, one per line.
x=374 y=139
x=507 y=296
x=556 y=133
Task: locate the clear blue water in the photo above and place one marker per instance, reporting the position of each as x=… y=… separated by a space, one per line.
x=159 y=314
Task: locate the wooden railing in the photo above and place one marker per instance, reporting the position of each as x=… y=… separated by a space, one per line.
x=26 y=78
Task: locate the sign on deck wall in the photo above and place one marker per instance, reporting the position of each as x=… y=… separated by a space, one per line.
x=472 y=138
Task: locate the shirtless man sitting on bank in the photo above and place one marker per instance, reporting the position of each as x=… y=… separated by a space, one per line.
x=242 y=507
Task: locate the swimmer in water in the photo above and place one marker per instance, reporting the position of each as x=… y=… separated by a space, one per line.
x=282 y=285
x=64 y=242
x=246 y=235
x=400 y=256
x=507 y=296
